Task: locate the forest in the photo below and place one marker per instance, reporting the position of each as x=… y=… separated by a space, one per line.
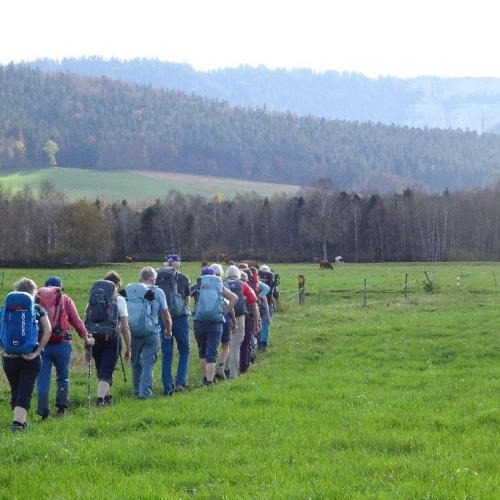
x=50 y=118
x=41 y=228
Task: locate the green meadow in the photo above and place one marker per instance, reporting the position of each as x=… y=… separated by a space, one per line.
x=135 y=185
x=383 y=384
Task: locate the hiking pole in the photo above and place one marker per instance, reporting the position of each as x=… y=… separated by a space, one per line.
x=89 y=354
x=123 y=368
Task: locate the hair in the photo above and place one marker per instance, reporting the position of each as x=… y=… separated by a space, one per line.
x=253 y=269
x=174 y=264
x=233 y=271
x=114 y=277
x=26 y=285
x=147 y=274
x=217 y=269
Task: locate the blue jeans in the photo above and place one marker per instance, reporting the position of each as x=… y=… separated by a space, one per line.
x=264 y=332
x=59 y=356
x=143 y=358
x=180 y=332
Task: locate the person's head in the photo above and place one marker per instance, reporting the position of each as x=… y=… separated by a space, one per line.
x=265 y=268
x=54 y=281
x=233 y=272
x=253 y=269
x=217 y=269
x=26 y=285
x=173 y=260
x=114 y=277
x=207 y=271
x=147 y=275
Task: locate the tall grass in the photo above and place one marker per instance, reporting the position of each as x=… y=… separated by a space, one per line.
x=364 y=393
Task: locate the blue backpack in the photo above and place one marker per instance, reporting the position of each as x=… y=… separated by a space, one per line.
x=210 y=304
x=142 y=318
x=235 y=286
x=19 y=334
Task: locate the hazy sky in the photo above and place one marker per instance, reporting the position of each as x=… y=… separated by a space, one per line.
x=401 y=38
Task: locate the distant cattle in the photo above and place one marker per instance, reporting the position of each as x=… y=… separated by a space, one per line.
x=128 y=259
x=204 y=263
x=316 y=260
x=251 y=263
x=325 y=264
x=223 y=257
x=339 y=259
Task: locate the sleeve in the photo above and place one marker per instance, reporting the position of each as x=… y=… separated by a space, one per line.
x=74 y=318
x=249 y=294
x=162 y=300
x=264 y=290
x=122 y=306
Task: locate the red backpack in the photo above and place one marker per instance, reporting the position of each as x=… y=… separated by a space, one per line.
x=50 y=298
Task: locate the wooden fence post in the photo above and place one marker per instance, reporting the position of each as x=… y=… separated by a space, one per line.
x=302 y=284
x=364 y=294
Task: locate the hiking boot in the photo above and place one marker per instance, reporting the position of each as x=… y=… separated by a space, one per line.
x=108 y=400
x=100 y=403
x=61 y=412
x=169 y=393
x=18 y=426
x=219 y=373
x=180 y=388
x=263 y=347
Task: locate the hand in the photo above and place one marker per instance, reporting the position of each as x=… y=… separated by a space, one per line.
x=127 y=355
x=90 y=341
x=168 y=335
x=30 y=356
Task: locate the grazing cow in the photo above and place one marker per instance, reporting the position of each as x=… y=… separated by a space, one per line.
x=128 y=259
x=325 y=264
x=204 y=263
x=251 y=263
x=339 y=259
x=316 y=260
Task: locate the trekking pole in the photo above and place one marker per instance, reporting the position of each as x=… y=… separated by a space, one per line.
x=123 y=369
x=89 y=354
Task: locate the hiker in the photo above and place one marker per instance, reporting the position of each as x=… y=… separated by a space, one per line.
x=62 y=314
x=108 y=344
x=247 y=348
x=144 y=313
x=208 y=319
x=228 y=328
x=177 y=288
x=22 y=368
x=271 y=280
x=233 y=362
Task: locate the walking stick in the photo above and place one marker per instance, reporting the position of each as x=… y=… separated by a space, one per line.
x=89 y=354
x=123 y=369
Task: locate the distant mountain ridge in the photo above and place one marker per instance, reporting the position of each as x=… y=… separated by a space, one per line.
x=456 y=103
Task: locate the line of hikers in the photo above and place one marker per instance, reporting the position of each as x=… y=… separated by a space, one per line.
x=231 y=319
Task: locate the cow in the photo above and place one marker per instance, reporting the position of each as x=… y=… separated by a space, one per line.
x=325 y=264
x=339 y=259
x=128 y=259
x=223 y=257
x=204 y=263
x=251 y=263
x=316 y=260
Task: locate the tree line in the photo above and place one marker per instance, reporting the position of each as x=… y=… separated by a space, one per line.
x=52 y=118
x=41 y=227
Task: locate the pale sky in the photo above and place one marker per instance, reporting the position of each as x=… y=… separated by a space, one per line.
x=400 y=38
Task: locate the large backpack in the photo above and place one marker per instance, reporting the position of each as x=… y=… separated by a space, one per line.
x=235 y=286
x=166 y=279
x=19 y=333
x=267 y=277
x=210 y=305
x=49 y=297
x=101 y=315
x=142 y=319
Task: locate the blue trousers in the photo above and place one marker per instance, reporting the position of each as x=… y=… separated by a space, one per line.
x=208 y=337
x=143 y=358
x=264 y=332
x=59 y=356
x=180 y=332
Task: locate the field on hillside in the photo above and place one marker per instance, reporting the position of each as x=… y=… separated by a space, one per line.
x=133 y=185
x=383 y=384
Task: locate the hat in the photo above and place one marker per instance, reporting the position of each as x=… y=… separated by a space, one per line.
x=207 y=270
x=265 y=268
x=172 y=257
x=54 y=281
x=217 y=269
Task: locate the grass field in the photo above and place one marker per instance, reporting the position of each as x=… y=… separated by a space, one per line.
x=133 y=185
x=384 y=384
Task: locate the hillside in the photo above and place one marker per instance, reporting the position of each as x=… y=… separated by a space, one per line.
x=69 y=120
x=456 y=103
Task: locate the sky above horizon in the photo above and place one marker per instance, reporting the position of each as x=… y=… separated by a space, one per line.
x=402 y=39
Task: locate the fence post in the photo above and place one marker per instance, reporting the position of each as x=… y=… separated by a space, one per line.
x=302 y=284
x=406 y=284
x=364 y=295
x=319 y=297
